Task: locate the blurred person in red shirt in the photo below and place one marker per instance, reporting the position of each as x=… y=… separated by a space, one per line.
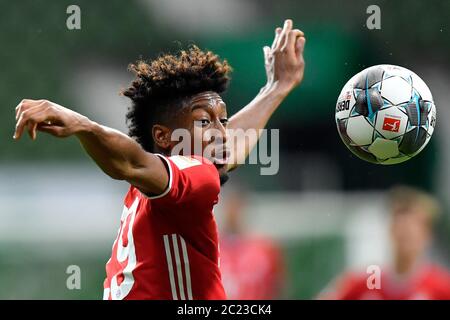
x=251 y=265
x=412 y=276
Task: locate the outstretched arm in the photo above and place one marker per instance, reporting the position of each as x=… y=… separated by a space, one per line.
x=115 y=153
x=284 y=69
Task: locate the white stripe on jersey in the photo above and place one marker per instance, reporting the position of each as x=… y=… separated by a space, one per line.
x=186 y=268
x=179 y=253
x=179 y=270
x=170 y=266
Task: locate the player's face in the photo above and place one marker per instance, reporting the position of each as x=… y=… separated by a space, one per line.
x=206 y=119
x=410 y=231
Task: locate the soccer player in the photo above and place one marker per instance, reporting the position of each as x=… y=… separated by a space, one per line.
x=412 y=276
x=167 y=244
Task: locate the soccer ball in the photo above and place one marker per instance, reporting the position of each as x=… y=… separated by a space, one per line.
x=385 y=114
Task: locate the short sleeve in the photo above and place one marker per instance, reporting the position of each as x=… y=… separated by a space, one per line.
x=191 y=179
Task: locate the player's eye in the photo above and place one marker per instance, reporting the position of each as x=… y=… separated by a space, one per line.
x=204 y=122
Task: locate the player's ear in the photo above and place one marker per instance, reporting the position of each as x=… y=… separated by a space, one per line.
x=161 y=136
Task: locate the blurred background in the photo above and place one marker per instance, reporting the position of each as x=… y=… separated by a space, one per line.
x=325 y=211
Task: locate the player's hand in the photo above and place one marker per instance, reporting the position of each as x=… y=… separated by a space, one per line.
x=46 y=116
x=284 y=59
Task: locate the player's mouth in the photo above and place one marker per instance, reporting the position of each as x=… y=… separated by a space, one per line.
x=220 y=157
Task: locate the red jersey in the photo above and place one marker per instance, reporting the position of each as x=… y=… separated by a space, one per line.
x=428 y=282
x=256 y=272
x=167 y=246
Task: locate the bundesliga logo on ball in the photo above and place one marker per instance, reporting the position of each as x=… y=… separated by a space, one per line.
x=385 y=114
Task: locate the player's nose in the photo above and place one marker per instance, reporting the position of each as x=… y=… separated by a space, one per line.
x=223 y=132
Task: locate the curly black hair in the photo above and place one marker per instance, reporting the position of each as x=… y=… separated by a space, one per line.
x=161 y=87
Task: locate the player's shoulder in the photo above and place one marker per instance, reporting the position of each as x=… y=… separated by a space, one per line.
x=190 y=177
x=192 y=166
x=184 y=162
x=193 y=174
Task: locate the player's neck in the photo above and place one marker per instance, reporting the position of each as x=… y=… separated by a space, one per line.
x=158 y=150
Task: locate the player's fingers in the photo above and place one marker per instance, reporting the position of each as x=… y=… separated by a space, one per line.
x=283 y=36
x=26 y=104
x=300 y=46
x=301 y=33
x=266 y=51
x=280 y=35
x=32 y=109
x=51 y=129
x=20 y=124
x=277 y=35
x=32 y=130
x=19 y=128
x=22 y=106
x=29 y=109
x=35 y=115
x=291 y=40
x=24 y=115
